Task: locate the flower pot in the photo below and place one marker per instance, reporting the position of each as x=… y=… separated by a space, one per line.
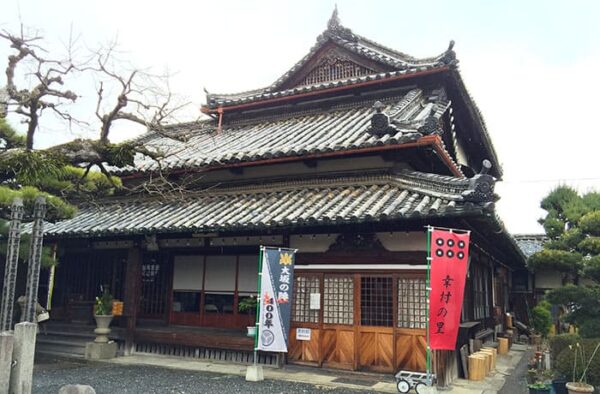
x=102 y=328
x=539 y=391
x=560 y=386
x=251 y=331
x=579 y=387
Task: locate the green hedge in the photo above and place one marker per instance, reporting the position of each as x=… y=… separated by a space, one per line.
x=564 y=362
x=560 y=342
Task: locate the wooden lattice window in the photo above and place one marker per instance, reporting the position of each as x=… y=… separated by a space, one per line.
x=412 y=303
x=338 y=300
x=153 y=300
x=332 y=69
x=304 y=286
x=376 y=301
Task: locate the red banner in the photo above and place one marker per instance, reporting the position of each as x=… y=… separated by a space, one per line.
x=449 y=256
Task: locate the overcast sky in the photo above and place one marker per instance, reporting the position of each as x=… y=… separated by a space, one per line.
x=532 y=66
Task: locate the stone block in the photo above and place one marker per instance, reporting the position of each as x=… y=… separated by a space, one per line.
x=255 y=373
x=76 y=389
x=6 y=352
x=23 y=354
x=100 y=351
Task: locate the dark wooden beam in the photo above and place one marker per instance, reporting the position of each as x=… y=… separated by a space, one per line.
x=133 y=281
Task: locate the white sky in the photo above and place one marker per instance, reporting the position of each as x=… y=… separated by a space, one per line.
x=532 y=66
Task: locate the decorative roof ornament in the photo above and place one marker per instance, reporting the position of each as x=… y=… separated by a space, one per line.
x=380 y=121
x=335 y=29
x=334 y=21
x=481 y=186
x=449 y=57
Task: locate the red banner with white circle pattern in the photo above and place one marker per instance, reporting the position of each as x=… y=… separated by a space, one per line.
x=449 y=256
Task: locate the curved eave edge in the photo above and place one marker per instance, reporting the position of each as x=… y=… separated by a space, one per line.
x=464 y=213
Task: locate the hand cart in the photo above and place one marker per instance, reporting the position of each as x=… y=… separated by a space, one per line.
x=405 y=380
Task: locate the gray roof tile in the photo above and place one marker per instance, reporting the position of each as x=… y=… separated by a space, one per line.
x=295 y=203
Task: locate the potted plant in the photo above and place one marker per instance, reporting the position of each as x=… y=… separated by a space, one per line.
x=539 y=388
x=103 y=316
x=580 y=385
x=248 y=305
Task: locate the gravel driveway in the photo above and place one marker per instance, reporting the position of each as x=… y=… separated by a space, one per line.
x=51 y=373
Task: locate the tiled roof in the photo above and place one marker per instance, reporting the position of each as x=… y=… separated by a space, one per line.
x=399 y=63
x=530 y=243
x=200 y=145
x=323 y=201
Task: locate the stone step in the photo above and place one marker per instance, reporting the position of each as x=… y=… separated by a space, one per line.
x=66 y=348
x=48 y=352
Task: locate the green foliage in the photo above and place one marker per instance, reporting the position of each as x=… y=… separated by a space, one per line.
x=27 y=166
x=566 y=360
x=591 y=269
x=560 y=342
x=48 y=259
x=9 y=137
x=571 y=238
x=120 y=155
x=57 y=207
x=541 y=320
x=554 y=227
x=590 y=328
x=558 y=198
x=584 y=301
x=559 y=260
x=590 y=245
x=590 y=223
x=103 y=304
x=29 y=174
x=247 y=304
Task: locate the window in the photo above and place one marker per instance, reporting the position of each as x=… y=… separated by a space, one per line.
x=338 y=300
x=376 y=301
x=304 y=286
x=186 y=301
x=481 y=292
x=219 y=285
x=412 y=303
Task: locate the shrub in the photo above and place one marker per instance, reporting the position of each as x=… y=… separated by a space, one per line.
x=590 y=328
x=564 y=362
x=541 y=320
x=560 y=342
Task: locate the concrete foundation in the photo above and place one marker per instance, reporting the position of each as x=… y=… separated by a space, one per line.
x=255 y=373
x=23 y=354
x=6 y=351
x=100 y=351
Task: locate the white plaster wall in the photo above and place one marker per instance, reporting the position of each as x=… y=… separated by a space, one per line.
x=404 y=241
x=548 y=279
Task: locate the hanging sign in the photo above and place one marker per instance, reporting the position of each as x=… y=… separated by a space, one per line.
x=449 y=252
x=277 y=279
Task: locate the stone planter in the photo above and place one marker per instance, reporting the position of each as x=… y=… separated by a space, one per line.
x=579 y=387
x=102 y=328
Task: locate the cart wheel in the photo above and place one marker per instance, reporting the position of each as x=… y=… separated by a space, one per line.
x=419 y=387
x=403 y=386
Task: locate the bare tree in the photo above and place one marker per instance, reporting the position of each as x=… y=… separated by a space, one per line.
x=36 y=82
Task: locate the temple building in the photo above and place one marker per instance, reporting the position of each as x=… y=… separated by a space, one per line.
x=346 y=157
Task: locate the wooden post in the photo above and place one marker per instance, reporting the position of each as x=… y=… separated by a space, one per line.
x=133 y=281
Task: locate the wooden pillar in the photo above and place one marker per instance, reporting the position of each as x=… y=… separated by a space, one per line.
x=133 y=281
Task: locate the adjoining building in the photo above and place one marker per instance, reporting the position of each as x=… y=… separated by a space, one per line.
x=346 y=157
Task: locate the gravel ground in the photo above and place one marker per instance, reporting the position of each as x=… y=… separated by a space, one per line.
x=51 y=373
x=516 y=383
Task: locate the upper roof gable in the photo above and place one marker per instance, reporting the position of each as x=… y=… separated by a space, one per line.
x=339 y=56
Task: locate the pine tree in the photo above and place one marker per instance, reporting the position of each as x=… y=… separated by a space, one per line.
x=572 y=224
